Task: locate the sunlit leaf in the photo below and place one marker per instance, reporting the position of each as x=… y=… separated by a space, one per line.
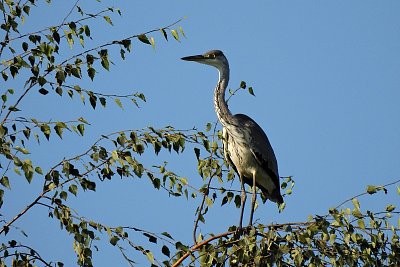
x=175 y=35
x=118 y=102
x=107 y=18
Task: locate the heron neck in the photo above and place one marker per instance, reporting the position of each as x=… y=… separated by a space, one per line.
x=221 y=107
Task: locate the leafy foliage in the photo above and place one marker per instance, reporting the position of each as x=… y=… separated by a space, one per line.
x=40 y=64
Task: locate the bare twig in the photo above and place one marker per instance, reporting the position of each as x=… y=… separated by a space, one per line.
x=76 y=56
x=365 y=193
x=199 y=245
x=68 y=14
x=205 y=194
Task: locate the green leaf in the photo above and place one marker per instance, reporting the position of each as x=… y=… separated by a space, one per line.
x=81 y=119
x=390 y=208
x=251 y=91
x=361 y=223
x=39 y=170
x=59 y=90
x=81 y=128
x=26 y=9
x=238 y=201
x=113 y=240
x=243 y=84
x=181 y=31
x=72 y=26
x=12 y=108
x=208 y=127
x=371 y=189
x=103 y=101
x=76 y=72
x=164 y=34
x=91 y=73
x=56 y=37
x=152 y=239
x=152 y=42
x=356 y=203
x=28 y=170
x=107 y=18
x=43 y=91
x=4 y=182
x=209 y=202
x=59 y=128
x=356 y=213
x=93 y=100
x=118 y=102
x=4 y=75
x=25 y=46
x=105 y=63
x=73 y=189
x=143 y=38
x=22 y=150
x=46 y=130
x=41 y=80
x=127 y=44
x=60 y=76
x=150 y=256
x=165 y=251
x=63 y=195
x=167 y=235
x=175 y=35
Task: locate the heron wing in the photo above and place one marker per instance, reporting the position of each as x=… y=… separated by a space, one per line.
x=260 y=147
x=225 y=143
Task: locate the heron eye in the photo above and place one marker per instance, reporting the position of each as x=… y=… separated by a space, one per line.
x=212 y=56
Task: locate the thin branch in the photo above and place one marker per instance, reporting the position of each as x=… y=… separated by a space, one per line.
x=32 y=253
x=86 y=91
x=47 y=190
x=7 y=35
x=365 y=193
x=68 y=14
x=199 y=245
x=200 y=209
x=89 y=16
x=76 y=56
x=116 y=42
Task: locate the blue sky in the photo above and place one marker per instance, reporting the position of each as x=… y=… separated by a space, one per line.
x=326 y=79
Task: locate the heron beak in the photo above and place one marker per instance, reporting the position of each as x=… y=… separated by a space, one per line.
x=194 y=58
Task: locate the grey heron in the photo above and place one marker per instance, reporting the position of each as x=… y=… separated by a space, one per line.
x=246 y=146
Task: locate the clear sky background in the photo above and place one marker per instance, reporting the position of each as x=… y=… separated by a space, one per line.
x=326 y=75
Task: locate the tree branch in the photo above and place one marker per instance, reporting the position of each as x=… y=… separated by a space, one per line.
x=199 y=245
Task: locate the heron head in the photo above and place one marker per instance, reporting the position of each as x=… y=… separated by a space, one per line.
x=213 y=58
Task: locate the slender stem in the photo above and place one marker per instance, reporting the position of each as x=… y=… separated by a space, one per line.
x=78 y=55
x=365 y=193
x=69 y=13
x=205 y=194
x=199 y=245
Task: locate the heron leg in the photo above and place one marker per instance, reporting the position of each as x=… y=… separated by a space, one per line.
x=244 y=196
x=253 y=200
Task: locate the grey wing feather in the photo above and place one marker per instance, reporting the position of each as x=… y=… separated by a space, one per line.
x=260 y=147
x=225 y=142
